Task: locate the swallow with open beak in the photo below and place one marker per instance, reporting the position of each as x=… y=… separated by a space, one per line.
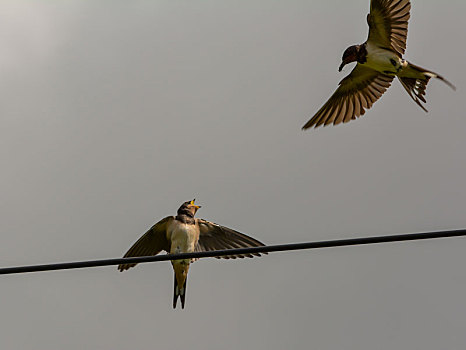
x=185 y=234
x=379 y=61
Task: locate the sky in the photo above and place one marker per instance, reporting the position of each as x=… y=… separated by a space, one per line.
x=113 y=113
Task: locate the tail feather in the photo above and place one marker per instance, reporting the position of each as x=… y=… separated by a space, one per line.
x=416 y=89
x=445 y=81
x=183 y=293
x=177 y=292
x=432 y=75
x=415 y=79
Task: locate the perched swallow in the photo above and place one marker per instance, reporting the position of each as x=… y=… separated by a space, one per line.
x=379 y=60
x=185 y=234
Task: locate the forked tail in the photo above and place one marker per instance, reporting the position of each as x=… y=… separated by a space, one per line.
x=177 y=292
x=415 y=79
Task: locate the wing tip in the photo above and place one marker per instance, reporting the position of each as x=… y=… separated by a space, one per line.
x=124 y=267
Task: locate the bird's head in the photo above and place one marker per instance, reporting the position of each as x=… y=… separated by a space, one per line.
x=188 y=208
x=351 y=54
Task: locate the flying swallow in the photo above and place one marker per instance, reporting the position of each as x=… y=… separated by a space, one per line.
x=379 y=60
x=185 y=234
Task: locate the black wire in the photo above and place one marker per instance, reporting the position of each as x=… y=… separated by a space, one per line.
x=218 y=253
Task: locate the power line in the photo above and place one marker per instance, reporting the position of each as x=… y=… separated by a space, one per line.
x=218 y=253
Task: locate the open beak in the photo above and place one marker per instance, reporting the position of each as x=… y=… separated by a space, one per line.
x=195 y=206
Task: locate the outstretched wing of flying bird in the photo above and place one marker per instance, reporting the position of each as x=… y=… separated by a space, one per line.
x=388 y=24
x=357 y=92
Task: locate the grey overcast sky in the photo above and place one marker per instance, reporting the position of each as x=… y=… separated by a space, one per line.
x=115 y=112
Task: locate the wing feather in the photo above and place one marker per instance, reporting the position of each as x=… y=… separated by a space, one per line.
x=151 y=243
x=217 y=237
x=357 y=104
x=349 y=108
x=356 y=92
x=388 y=24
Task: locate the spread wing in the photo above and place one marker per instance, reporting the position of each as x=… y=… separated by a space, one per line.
x=388 y=24
x=357 y=92
x=151 y=243
x=216 y=237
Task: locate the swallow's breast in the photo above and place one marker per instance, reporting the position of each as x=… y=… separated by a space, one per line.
x=383 y=60
x=183 y=238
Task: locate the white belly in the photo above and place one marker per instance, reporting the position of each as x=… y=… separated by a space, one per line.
x=382 y=60
x=183 y=238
